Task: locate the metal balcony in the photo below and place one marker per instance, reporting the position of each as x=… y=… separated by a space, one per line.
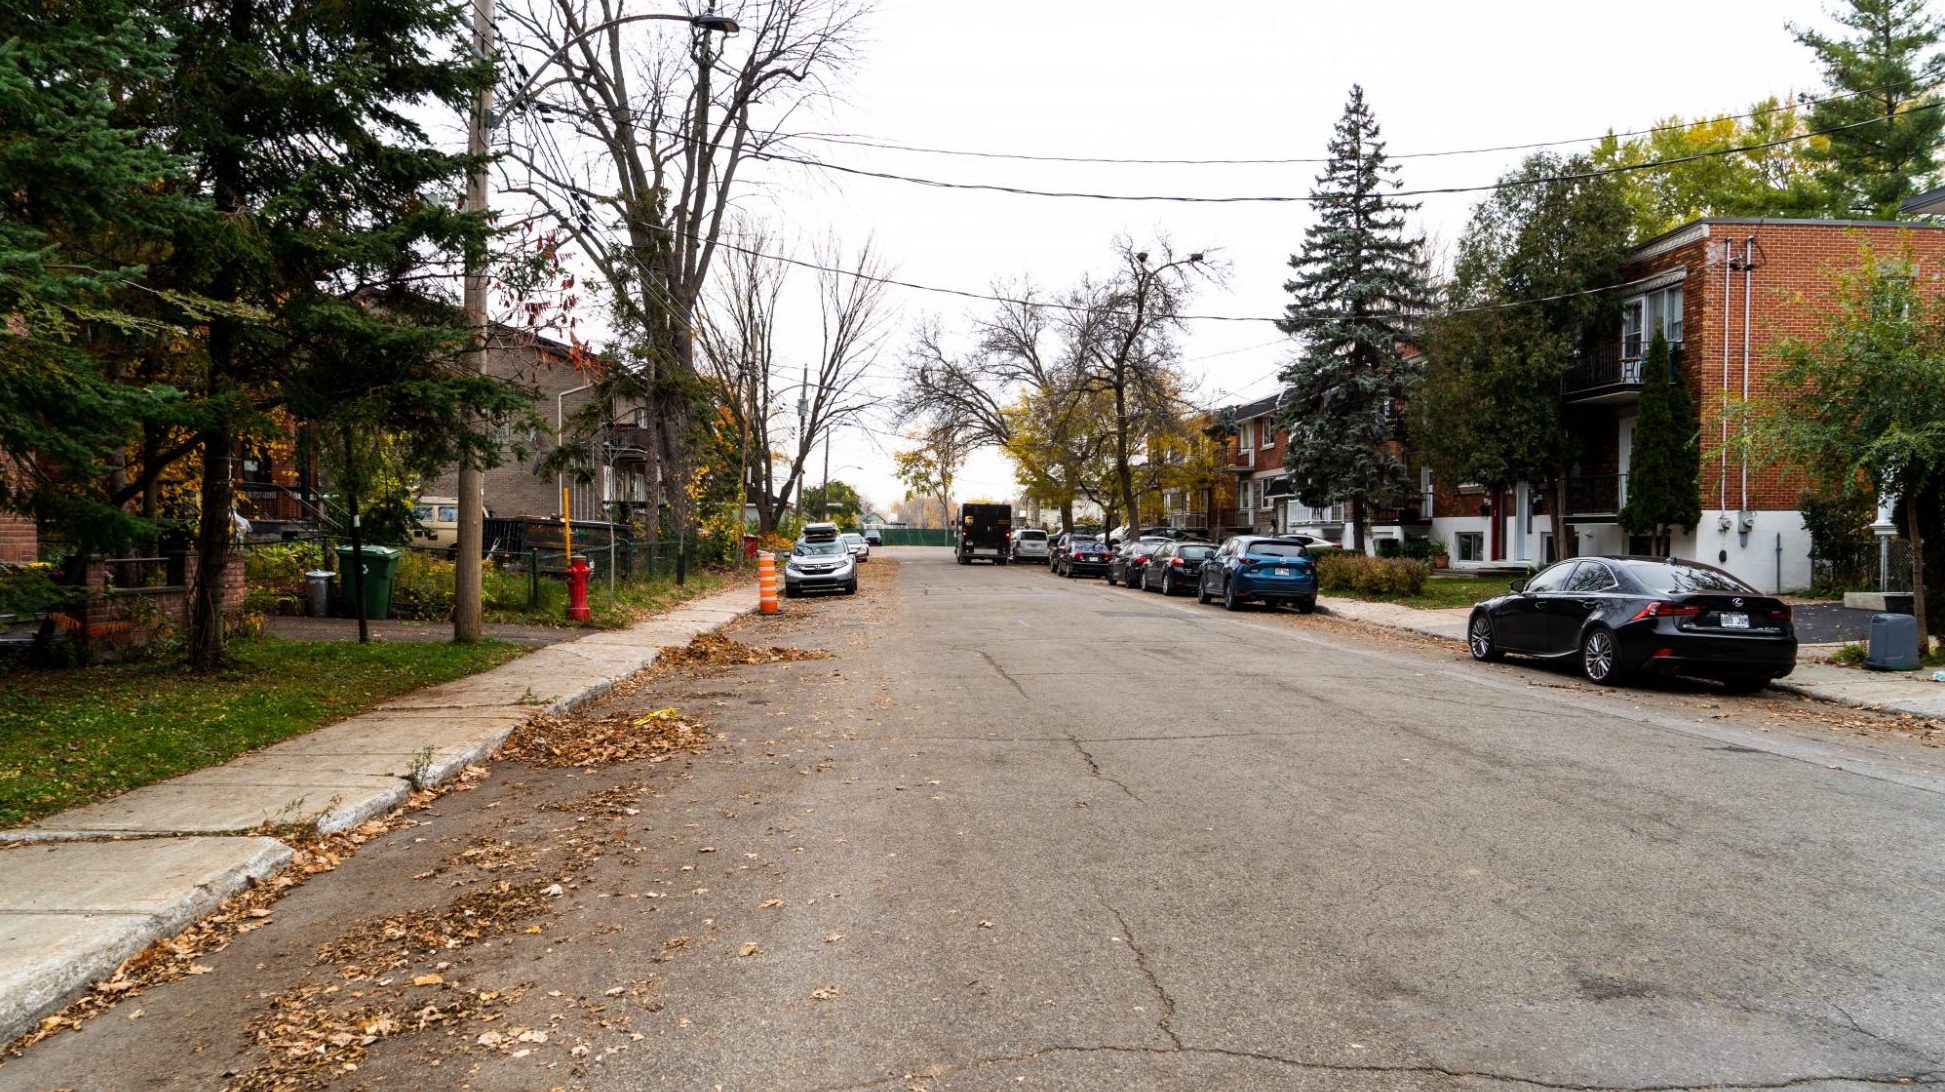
x=1608 y=373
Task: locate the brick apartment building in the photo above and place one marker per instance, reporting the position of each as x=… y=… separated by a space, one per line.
x=1723 y=291
x=516 y=487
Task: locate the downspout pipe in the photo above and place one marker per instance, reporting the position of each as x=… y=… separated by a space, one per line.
x=1748 y=293
x=1722 y=410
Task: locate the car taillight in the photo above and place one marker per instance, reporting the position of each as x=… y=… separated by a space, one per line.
x=1078 y=556
x=1175 y=562
x=1780 y=614
x=1666 y=610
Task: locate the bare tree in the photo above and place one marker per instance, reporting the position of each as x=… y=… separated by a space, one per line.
x=737 y=331
x=1120 y=332
x=656 y=134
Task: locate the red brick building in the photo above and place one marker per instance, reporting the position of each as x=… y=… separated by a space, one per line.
x=1724 y=292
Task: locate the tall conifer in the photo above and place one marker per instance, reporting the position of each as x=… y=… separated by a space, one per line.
x=1359 y=280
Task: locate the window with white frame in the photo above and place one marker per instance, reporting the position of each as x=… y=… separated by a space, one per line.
x=1643 y=316
x=1243 y=441
x=1265 y=435
x=1263 y=498
x=1471 y=545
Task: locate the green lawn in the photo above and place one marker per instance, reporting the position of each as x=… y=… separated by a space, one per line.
x=1446 y=591
x=628 y=604
x=71 y=736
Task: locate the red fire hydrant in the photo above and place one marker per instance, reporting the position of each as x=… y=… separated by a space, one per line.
x=578 y=571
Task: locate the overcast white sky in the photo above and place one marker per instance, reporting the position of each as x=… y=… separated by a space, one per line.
x=1244 y=79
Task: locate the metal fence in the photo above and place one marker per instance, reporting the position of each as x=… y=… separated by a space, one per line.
x=916 y=536
x=615 y=561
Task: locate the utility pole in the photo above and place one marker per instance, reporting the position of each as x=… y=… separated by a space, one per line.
x=826 y=491
x=466 y=608
x=803 y=418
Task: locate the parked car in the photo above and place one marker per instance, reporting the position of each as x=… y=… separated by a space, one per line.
x=1272 y=568
x=1081 y=555
x=1126 y=565
x=1030 y=545
x=859 y=546
x=1176 y=566
x=819 y=565
x=874 y=537
x=1622 y=616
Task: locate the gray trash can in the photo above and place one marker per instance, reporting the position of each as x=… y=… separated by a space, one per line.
x=318 y=583
x=1894 y=643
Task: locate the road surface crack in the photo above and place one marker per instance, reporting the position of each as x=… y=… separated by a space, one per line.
x=940 y=1072
x=1003 y=673
x=1167 y=1021
x=1094 y=767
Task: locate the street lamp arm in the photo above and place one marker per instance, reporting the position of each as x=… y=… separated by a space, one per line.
x=718 y=23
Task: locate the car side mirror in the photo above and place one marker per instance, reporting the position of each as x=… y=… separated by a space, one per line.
x=1518 y=585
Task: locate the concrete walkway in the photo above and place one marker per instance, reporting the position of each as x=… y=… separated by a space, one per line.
x=83 y=890
x=1892 y=691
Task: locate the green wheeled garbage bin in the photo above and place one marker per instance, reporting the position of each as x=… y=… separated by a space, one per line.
x=381 y=562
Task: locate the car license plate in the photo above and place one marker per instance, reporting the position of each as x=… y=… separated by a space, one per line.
x=1735 y=621
x=1283 y=572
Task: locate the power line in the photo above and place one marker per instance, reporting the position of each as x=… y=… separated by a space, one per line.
x=1194 y=199
x=859 y=140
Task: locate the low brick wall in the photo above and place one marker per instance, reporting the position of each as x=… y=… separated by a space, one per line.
x=112 y=615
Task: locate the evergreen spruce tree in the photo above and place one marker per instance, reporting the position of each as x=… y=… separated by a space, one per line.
x=1665 y=467
x=322 y=201
x=79 y=209
x=1358 y=280
x=1888 y=69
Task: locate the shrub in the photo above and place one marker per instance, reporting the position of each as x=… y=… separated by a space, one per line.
x=281 y=567
x=31 y=588
x=422 y=588
x=1357 y=574
x=1851 y=655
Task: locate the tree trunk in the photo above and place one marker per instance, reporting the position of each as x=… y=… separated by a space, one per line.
x=1915 y=533
x=356 y=578
x=206 y=646
x=1357 y=524
x=1563 y=532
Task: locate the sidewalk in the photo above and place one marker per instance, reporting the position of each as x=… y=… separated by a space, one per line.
x=1892 y=691
x=83 y=890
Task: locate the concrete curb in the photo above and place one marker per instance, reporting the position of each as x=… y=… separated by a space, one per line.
x=67 y=915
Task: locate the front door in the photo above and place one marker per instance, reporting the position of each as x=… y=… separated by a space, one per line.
x=1521 y=623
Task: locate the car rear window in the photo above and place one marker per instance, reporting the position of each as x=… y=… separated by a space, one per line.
x=1194 y=552
x=1024 y=535
x=1275 y=549
x=1676 y=579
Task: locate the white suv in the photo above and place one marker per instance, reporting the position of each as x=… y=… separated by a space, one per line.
x=1030 y=544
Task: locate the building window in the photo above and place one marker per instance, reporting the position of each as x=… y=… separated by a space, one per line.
x=1243 y=440
x=1631 y=329
x=1266 y=436
x=1263 y=496
x=1471 y=545
x=1671 y=315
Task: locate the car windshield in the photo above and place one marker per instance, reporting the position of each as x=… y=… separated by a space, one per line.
x=818 y=549
x=1674 y=579
x=1194 y=553
x=1275 y=549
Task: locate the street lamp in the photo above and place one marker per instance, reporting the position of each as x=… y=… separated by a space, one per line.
x=467 y=591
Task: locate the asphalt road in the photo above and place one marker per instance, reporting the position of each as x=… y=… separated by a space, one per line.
x=1024 y=832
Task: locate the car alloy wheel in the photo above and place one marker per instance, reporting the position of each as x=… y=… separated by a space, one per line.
x=1201 y=591
x=1229 y=600
x=1168 y=583
x=1599 y=660
x=1479 y=638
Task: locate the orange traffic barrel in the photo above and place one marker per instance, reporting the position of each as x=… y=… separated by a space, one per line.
x=766 y=582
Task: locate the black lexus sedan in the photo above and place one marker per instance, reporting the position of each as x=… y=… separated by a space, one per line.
x=1079 y=555
x=1623 y=616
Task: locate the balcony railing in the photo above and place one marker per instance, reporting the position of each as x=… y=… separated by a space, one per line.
x=1232 y=517
x=1594 y=495
x=1614 y=367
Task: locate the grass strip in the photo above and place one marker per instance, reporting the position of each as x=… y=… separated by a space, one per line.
x=69 y=737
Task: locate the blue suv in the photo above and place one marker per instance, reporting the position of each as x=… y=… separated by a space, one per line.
x=1272 y=568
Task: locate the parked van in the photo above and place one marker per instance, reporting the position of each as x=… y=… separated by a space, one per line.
x=438 y=519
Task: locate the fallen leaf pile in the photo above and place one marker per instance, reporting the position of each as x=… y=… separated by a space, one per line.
x=557 y=741
x=714 y=648
x=305 y=1037
x=387 y=943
